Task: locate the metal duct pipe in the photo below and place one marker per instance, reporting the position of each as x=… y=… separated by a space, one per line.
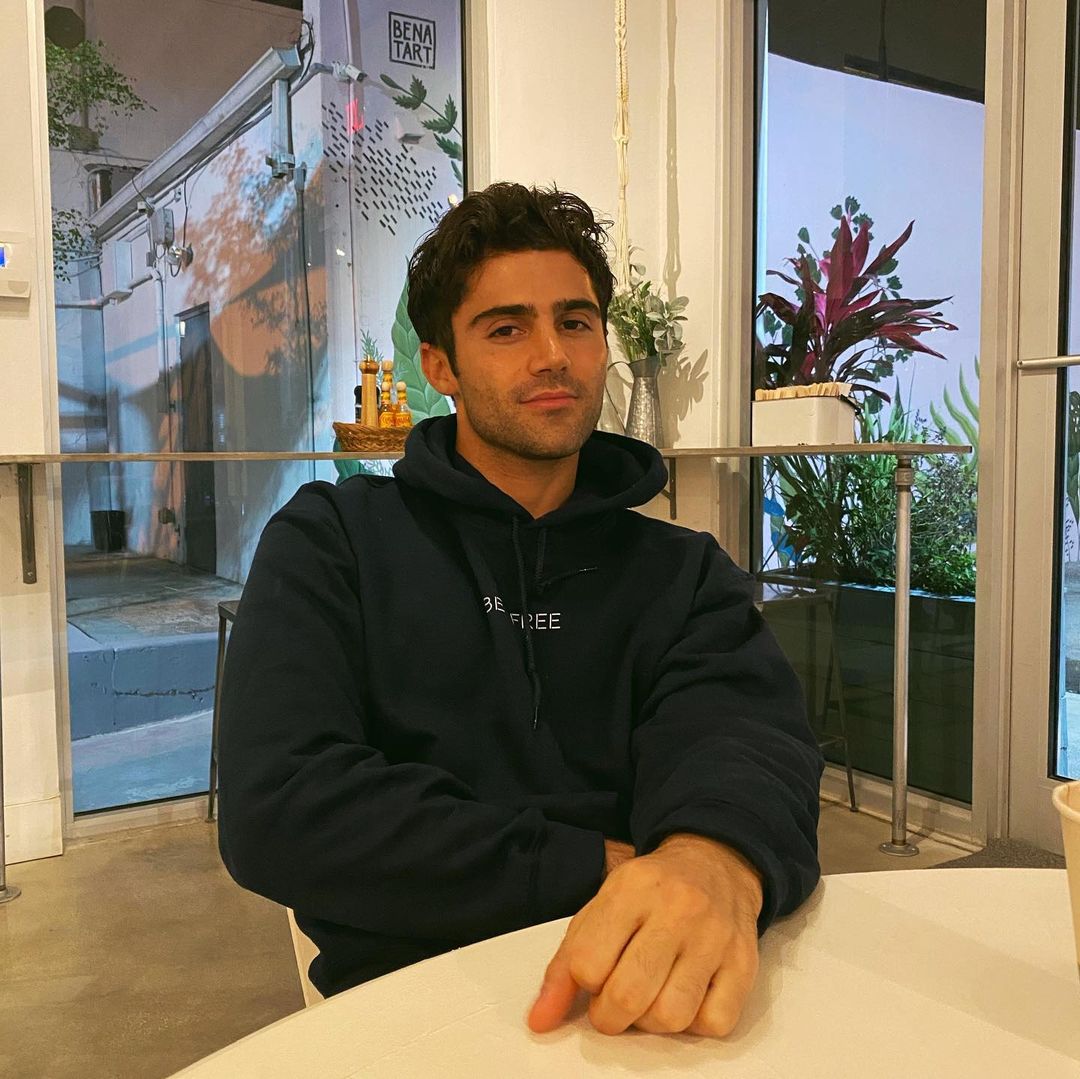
x=98 y=302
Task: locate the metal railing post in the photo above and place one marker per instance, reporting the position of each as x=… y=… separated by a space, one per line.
x=8 y=892
x=904 y=479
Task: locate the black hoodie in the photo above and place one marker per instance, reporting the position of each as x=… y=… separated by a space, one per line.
x=435 y=707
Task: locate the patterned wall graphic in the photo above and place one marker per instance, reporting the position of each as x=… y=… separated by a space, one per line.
x=388 y=183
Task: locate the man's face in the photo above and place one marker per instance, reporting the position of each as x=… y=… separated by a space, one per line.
x=531 y=356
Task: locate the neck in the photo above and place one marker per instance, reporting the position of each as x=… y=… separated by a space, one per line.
x=538 y=486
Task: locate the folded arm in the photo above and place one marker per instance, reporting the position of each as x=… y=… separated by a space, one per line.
x=724 y=826
x=316 y=818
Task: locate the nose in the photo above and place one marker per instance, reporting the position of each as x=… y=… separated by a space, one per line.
x=550 y=353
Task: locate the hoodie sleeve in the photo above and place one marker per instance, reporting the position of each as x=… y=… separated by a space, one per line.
x=313 y=816
x=722 y=748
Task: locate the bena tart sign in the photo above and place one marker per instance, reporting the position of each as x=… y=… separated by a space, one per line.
x=412 y=40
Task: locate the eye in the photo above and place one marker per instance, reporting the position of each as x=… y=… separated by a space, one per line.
x=577 y=324
x=503 y=331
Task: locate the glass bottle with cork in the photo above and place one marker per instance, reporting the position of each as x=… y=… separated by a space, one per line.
x=402 y=414
x=386 y=405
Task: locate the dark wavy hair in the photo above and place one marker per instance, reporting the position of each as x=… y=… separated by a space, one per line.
x=501 y=219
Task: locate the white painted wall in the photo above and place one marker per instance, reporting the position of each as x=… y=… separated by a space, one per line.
x=27 y=425
x=543 y=107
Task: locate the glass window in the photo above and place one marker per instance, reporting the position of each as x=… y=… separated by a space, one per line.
x=871 y=137
x=1065 y=713
x=225 y=255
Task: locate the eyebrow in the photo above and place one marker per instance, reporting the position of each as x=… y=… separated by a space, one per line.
x=560 y=307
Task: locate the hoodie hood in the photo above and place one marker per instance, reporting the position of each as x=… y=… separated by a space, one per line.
x=614 y=472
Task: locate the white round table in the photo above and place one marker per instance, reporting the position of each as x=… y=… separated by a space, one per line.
x=914 y=974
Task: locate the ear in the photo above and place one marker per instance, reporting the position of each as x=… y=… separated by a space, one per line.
x=437 y=370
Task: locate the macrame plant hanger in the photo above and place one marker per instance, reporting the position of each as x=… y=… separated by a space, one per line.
x=621 y=135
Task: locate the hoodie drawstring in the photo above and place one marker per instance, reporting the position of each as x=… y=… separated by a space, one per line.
x=530 y=654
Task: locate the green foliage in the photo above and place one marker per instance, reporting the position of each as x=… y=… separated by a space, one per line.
x=444 y=124
x=83 y=78
x=424 y=399
x=413 y=98
x=441 y=124
x=645 y=324
x=965 y=419
x=369 y=346
x=1072 y=454
x=847 y=320
x=72 y=239
x=839 y=518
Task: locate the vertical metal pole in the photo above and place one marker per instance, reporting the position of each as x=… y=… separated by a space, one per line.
x=7 y=891
x=905 y=477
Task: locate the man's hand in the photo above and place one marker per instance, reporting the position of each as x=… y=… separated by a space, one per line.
x=615 y=853
x=668 y=944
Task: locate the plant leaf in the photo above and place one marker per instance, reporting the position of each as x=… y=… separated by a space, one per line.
x=449 y=147
x=424 y=399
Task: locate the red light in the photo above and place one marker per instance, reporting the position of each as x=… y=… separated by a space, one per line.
x=354 y=117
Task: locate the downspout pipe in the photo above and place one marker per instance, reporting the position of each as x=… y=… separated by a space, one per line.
x=163 y=357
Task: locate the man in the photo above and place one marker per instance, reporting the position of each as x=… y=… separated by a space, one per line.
x=487 y=694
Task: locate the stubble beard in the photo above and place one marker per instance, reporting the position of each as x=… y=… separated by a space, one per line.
x=506 y=426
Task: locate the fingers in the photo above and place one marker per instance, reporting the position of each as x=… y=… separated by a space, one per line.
x=641 y=973
x=591 y=947
x=726 y=996
x=596 y=939
x=556 y=998
x=677 y=1004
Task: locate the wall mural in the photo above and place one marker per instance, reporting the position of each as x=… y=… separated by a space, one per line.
x=389 y=184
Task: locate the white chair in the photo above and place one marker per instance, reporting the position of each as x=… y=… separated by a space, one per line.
x=305 y=951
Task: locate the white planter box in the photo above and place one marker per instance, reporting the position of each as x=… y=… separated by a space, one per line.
x=803 y=421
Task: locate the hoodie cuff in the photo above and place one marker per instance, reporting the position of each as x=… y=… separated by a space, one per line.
x=567 y=872
x=734 y=827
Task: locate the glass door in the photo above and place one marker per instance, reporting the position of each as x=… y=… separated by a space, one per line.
x=1043 y=638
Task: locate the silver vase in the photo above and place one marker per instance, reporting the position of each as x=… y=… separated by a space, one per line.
x=643 y=416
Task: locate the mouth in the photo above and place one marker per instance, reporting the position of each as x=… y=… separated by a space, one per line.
x=551 y=399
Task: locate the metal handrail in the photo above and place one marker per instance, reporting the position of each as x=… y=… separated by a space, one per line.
x=1048 y=363
x=904 y=454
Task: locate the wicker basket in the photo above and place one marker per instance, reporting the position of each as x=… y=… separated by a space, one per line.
x=356 y=438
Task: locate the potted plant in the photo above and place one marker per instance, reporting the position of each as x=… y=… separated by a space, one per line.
x=831 y=522
x=649 y=332
x=834 y=335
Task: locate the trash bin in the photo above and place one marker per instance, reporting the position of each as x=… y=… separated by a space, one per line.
x=107 y=527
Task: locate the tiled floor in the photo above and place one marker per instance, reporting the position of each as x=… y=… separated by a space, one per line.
x=134 y=955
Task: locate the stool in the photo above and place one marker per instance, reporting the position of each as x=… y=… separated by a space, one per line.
x=769 y=594
x=226 y=614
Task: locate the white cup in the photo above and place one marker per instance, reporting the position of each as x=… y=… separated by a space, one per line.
x=1067 y=803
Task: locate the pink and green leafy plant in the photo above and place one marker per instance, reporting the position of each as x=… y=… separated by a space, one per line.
x=848 y=321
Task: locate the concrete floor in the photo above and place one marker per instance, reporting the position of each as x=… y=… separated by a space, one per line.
x=129 y=957
x=133 y=955
x=167 y=759
x=142 y=638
